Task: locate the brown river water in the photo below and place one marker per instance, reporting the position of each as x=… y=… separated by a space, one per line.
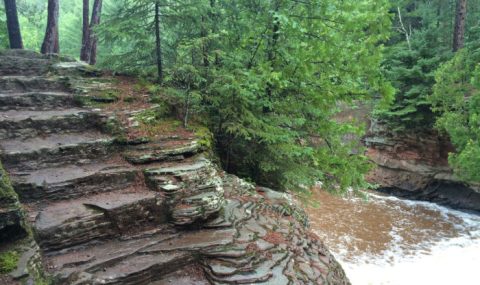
x=386 y=240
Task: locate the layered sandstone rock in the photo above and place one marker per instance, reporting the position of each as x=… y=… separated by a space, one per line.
x=415 y=165
x=109 y=208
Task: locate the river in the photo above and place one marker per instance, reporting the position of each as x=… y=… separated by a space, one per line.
x=386 y=240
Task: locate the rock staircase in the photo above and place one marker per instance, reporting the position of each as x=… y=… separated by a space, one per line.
x=138 y=212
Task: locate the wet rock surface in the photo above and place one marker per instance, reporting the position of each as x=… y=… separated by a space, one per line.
x=415 y=166
x=193 y=191
x=144 y=211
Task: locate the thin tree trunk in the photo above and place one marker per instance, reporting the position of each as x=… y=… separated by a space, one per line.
x=272 y=52
x=439 y=13
x=50 y=42
x=158 y=43
x=84 y=54
x=95 y=21
x=459 y=32
x=93 y=51
x=204 y=35
x=214 y=19
x=14 y=35
x=187 y=107
x=403 y=29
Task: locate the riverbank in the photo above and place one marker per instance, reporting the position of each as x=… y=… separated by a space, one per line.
x=414 y=165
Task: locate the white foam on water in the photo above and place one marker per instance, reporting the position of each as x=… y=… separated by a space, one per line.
x=439 y=260
x=451 y=262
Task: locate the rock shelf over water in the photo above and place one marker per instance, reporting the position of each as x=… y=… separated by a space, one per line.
x=105 y=208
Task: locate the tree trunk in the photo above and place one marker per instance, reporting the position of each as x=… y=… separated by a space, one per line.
x=93 y=51
x=204 y=35
x=95 y=21
x=84 y=54
x=158 y=43
x=50 y=42
x=14 y=35
x=214 y=19
x=272 y=52
x=459 y=32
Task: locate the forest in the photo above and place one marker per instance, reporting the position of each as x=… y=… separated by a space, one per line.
x=268 y=77
x=285 y=142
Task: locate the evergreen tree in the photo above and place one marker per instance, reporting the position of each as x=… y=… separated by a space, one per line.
x=92 y=38
x=421 y=42
x=459 y=31
x=158 y=42
x=13 y=27
x=456 y=100
x=265 y=76
x=51 y=40
x=84 y=55
x=4 y=42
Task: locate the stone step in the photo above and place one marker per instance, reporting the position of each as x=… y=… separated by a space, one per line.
x=27 y=124
x=68 y=223
x=71 y=181
x=16 y=65
x=135 y=261
x=170 y=150
x=28 y=63
x=95 y=257
x=142 y=269
x=189 y=275
x=194 y=240
x=36 y=100
x=16 y=84
x=25 y=53
x=52 y=150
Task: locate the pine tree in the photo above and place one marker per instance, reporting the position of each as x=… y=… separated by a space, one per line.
x=51 y=40
x=13 y=27
x=84 y=54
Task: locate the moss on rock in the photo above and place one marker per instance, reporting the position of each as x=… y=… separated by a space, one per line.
x=7 y=194
x=8 y=261
x=11 y=215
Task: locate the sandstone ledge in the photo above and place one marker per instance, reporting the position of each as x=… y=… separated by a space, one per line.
x=109 y=203
x=415 y=166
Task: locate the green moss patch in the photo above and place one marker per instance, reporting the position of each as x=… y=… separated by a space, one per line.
x=7 y=194
x=8 y=261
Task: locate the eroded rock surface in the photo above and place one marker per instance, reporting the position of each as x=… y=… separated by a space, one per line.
x=109 y=208
x=415 y=165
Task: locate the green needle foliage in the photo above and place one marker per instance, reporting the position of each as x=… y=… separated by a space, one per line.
x=412 y=72
x=456 y=99
x=266 y=76
x=435 y=87
x=421 y=41
x=272 y=100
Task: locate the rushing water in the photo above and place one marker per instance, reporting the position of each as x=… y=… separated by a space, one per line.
x=386 y=240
